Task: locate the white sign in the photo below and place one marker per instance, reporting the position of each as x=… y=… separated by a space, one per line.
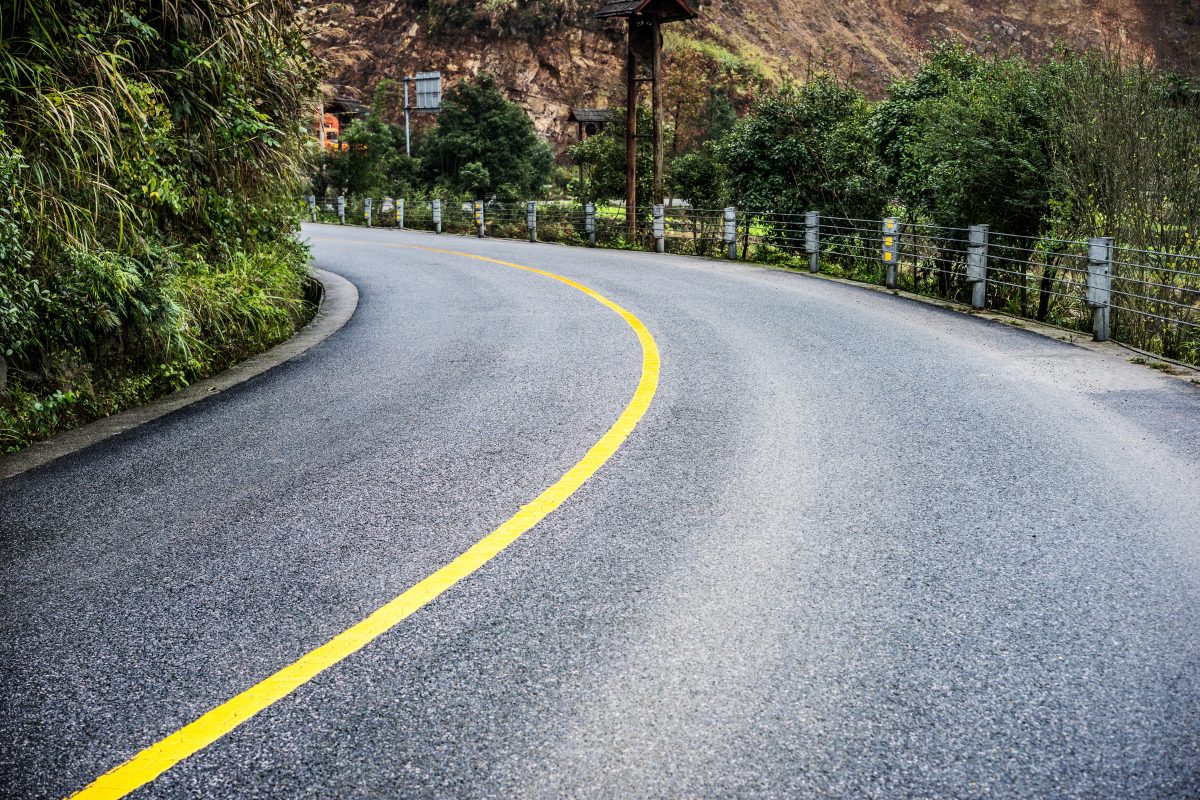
x=429 y=91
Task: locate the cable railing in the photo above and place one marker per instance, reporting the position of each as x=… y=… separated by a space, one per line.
x=1148 y=298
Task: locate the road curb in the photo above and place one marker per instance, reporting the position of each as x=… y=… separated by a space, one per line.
x=339 y=299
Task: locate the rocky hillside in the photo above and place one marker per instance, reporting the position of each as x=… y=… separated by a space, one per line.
x=550 y=55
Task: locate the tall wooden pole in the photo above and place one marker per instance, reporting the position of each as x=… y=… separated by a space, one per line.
x=631 y=139
x=657 y=101
x=581 y=192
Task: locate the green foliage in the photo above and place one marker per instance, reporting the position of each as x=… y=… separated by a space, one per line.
x=698 y=178
x=486 y=145
x=1125 y=150
x=374 y=162
x=806 y=148
x=603 y=157
x=896 y=121
x=145 y=146
x=966 y=139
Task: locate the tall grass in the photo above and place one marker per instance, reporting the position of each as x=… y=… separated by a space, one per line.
x=146 y=149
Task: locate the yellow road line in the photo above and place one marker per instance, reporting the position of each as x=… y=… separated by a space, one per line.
x=190 y=739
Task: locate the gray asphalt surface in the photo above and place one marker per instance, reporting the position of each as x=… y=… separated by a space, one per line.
x=858 y=547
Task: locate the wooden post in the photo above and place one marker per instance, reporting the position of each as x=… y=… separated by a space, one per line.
x=631 y=142
x=580 y=191
x=656 y=99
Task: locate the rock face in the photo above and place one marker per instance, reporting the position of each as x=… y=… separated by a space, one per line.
x=572 y=61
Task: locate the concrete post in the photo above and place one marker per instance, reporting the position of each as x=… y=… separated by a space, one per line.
x=312 y=207
x=1099 y=284
x=341 y=208
x=977 y=260
x=891 y=250
x=437 y=216
x=589 y=223
x=400 y=213
x=367 y=210
x=730 y=237
x=479 y=218
x=812 y=240
x=660 y=230
x=531 y=219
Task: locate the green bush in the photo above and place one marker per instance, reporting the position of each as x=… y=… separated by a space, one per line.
x=966 y=140
x=485 y=145
x=806 y=148
x=148 y=156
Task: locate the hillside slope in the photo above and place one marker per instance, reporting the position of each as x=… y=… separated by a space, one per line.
x=549 y=55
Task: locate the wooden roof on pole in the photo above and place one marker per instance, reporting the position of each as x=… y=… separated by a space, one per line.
x=660 y=10
x=589 y=115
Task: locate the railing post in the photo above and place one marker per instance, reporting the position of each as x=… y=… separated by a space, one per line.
x=400 y=213
x=1099 y=284
x=367 y=210
x=812 y=240
x=660 y=230
x=531 y=219
x=977 y=264
x=891 y=250
x=731 y=233
x=479 y=217
x=436 y=212
x=589 y=223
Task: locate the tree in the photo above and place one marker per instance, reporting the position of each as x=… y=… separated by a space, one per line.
x=604 y=158
x=698 y=178
x=374 y=162
x=480 y=128
x=966 y=141
x=895 y=122
x=806 y=148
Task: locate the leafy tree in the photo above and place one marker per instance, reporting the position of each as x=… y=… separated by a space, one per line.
x=719 y=114
x=698 y=178
x=475 y=178
x=604 y=158
x=478 y=126
x=806 y=148
x=966 y=141
x=896 y=121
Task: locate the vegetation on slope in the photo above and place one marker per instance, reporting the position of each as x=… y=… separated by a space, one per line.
x=149 y=153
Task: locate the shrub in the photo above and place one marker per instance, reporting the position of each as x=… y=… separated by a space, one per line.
x=806 y=148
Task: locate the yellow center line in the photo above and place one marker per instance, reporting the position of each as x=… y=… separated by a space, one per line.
x=195 y=736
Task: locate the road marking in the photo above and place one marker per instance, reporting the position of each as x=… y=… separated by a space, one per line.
x=195 y=736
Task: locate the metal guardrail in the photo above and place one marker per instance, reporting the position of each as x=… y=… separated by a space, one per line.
x=1146 y=298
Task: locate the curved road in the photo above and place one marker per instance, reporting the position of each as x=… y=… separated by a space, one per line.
x=857 y=547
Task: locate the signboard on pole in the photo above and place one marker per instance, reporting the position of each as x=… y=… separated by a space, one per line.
x=429 y=91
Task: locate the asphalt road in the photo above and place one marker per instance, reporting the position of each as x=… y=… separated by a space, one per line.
x=858 y=547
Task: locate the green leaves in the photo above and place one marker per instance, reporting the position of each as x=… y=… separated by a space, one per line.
x=135 y=138
x=479 y=126
x=806 y=148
